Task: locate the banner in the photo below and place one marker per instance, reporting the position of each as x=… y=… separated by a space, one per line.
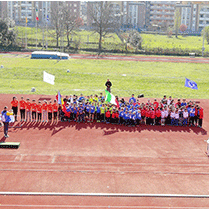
x=48 y=78
x=191 y=84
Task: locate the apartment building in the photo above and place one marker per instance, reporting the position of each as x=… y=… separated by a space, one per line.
x=162 y=13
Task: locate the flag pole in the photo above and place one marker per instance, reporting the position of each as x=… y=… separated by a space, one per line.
x=36 y=31
x=26 y=20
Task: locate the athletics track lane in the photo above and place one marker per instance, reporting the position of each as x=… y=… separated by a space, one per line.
x=132 y=58
x=75 y=202
x=70 y=157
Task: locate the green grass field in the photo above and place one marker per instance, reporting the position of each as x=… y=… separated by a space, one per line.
x=192 y=43
x=150 y=41
x=154 y=79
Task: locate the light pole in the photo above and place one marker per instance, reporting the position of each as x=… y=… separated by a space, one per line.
x=203 y=42
x=26 y=21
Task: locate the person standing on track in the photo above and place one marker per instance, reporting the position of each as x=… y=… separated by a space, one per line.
x=55 y=109
x=14 y=104
x=34 y=109
x=44 y=108
x=28 y=110
x=22 y=109
x=6 y=119
x=108 y=84
x=39 y=111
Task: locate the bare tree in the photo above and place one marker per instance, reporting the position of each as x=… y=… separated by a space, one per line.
x=103 y=19
x=177 y=21
x=56 y=22
x=70 y=23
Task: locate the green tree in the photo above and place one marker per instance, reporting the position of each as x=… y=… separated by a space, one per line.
x=7 y=36
x=135 y=39
x=177 y=21
x=205 y=33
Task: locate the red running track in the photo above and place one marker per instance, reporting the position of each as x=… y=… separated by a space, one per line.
x=100 y=158
x=133 y=58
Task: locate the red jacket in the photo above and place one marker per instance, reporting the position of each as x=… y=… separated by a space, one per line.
x=147 y=114
x=143 y=112
x=157 y=104
x=201 y=113
x=152 y=114
x=107 y=114
x=158 y=113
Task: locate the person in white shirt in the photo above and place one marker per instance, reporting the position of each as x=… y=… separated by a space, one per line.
x=176 y=116
x=185 y=116
x=172 y=116
x=163 y=117
x=166 y=114
x=169 y=100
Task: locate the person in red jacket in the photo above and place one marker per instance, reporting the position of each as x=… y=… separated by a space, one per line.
x=200 y=116
x=55 y=109
x=44 y=110
x=152 y=116
x=14 y=104
x=50 y=110
x=22 y=109
x=143 y=113
x=33 y=108
x=107 y=115
x=39 y=111
x=147 y=115
x=156 y=104
x=28 y=110
x=158 y=116
x=115 y=117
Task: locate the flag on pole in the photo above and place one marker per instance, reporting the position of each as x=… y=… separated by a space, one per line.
x=191 y=84
x=59 y=98
x=26 y=20
x=110 y=98
x=37 y=15
x=47 y=17
x=48 y=78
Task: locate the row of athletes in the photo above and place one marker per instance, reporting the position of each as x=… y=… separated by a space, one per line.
x=132 y=115
x=35 y=111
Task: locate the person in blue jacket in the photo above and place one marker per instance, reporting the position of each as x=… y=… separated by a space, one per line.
x=132 y=99
x=6 y=119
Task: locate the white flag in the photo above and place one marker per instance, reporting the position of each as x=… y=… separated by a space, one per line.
x=48 y=78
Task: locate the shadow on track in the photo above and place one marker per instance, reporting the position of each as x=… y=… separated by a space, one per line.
x=56 y=127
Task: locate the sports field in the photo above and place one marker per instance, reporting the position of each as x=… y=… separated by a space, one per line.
x=154 y=79
x=89 y=162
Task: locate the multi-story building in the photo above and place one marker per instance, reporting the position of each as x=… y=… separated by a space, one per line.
x=3 y=9
x=134 y=14
x=129 y=14
x=162 y=13
x=195 y=15
x=19 y=10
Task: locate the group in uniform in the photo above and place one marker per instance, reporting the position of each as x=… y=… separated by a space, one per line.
x=132 y=112
x=96 y=109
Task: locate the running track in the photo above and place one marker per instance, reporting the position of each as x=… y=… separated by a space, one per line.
x=103 y=158
x=133 y=58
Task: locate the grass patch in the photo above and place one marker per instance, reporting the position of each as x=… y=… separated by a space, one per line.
x=154 y=79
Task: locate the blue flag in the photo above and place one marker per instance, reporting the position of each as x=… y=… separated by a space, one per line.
x=191 y=84
x=47 y=17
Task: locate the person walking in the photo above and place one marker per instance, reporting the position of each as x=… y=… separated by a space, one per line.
x=6 y=119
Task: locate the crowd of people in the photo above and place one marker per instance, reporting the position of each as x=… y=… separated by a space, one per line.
x=96 y=109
